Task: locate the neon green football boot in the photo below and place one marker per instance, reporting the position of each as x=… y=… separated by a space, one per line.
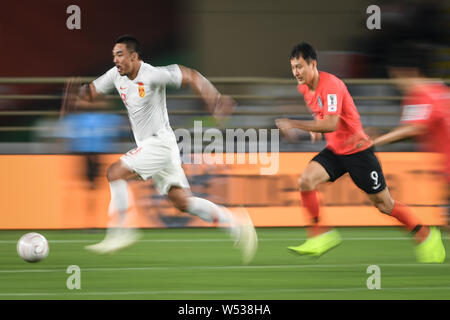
x=318 y=245
x=431 y=250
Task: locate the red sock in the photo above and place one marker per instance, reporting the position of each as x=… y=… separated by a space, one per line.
x=403 y=214
x=311 y=202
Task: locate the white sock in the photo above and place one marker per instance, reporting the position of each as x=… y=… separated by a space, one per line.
x=119 y=200
x=208 y=211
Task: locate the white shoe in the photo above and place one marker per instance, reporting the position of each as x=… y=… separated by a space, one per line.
x=103 y=245
x=126 y=239
x=247 y=239
x=115 y=240
x=98 y=247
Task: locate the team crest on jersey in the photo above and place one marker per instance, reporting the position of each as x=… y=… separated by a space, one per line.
x=141 y=89
x=319 y=101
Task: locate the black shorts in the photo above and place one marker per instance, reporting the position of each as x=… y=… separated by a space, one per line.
x=363 y=167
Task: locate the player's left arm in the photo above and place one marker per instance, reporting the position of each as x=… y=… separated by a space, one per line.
x=403 y=132
x=329 y=123
x=219 y=105
x=416 y=113
x=332 y=100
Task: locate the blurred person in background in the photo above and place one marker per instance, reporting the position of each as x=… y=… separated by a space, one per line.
x=142 y=88
x=349 y=150
x=426 y=105
x=404 y=20
x=90 y=132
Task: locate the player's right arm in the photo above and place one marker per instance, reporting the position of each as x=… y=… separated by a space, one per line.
x=78 y=95
x=219 y=105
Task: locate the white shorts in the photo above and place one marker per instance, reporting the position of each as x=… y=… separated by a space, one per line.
x=158 y=157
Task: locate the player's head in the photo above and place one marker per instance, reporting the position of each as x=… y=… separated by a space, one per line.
x=304 y=63
x=408 y=62
x=127 y=54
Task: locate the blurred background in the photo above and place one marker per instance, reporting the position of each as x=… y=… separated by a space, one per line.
x=58 y=167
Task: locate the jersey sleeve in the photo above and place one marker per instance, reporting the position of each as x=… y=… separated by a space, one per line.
x=170 y=76
x=105 y=83
x=333 y=96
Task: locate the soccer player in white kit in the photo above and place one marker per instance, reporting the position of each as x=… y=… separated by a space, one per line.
x=142 y=88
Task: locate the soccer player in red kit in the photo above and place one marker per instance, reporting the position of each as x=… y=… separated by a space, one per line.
x=426 y=108
x=349 y=150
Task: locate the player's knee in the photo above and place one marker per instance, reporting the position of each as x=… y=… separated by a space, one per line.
x=384 y=206
x=113 y=172
x=181 y=204
x=305 y=183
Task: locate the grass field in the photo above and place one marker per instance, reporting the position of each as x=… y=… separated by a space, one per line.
x=202 y=264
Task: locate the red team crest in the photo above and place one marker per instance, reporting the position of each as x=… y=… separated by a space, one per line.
x=141 y=89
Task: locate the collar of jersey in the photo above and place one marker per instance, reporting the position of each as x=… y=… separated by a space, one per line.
x=135 y=80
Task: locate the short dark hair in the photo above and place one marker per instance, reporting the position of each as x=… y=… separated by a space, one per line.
x=305 y=50
x=409 y=54
x=133 y=45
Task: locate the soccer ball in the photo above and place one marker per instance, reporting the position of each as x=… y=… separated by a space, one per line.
x=32 y=247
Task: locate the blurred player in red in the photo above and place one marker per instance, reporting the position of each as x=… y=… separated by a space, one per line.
x=142 y=88
x=349 y=150
x=426 y=106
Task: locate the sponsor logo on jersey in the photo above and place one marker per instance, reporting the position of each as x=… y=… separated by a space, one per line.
x=141 y=89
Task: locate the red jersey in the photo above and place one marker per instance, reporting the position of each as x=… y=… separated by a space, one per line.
x=429 y=105
x=332 y=98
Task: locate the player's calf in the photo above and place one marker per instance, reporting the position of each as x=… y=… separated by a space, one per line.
x=179 y=197
x=382 y=201
x=401 y=212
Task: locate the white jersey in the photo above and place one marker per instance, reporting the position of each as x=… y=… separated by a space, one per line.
x=144 y=97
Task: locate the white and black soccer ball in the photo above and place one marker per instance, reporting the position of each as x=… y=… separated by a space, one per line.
x=32 y=247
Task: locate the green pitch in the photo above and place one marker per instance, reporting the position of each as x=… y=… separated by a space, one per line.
x=202 y=264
